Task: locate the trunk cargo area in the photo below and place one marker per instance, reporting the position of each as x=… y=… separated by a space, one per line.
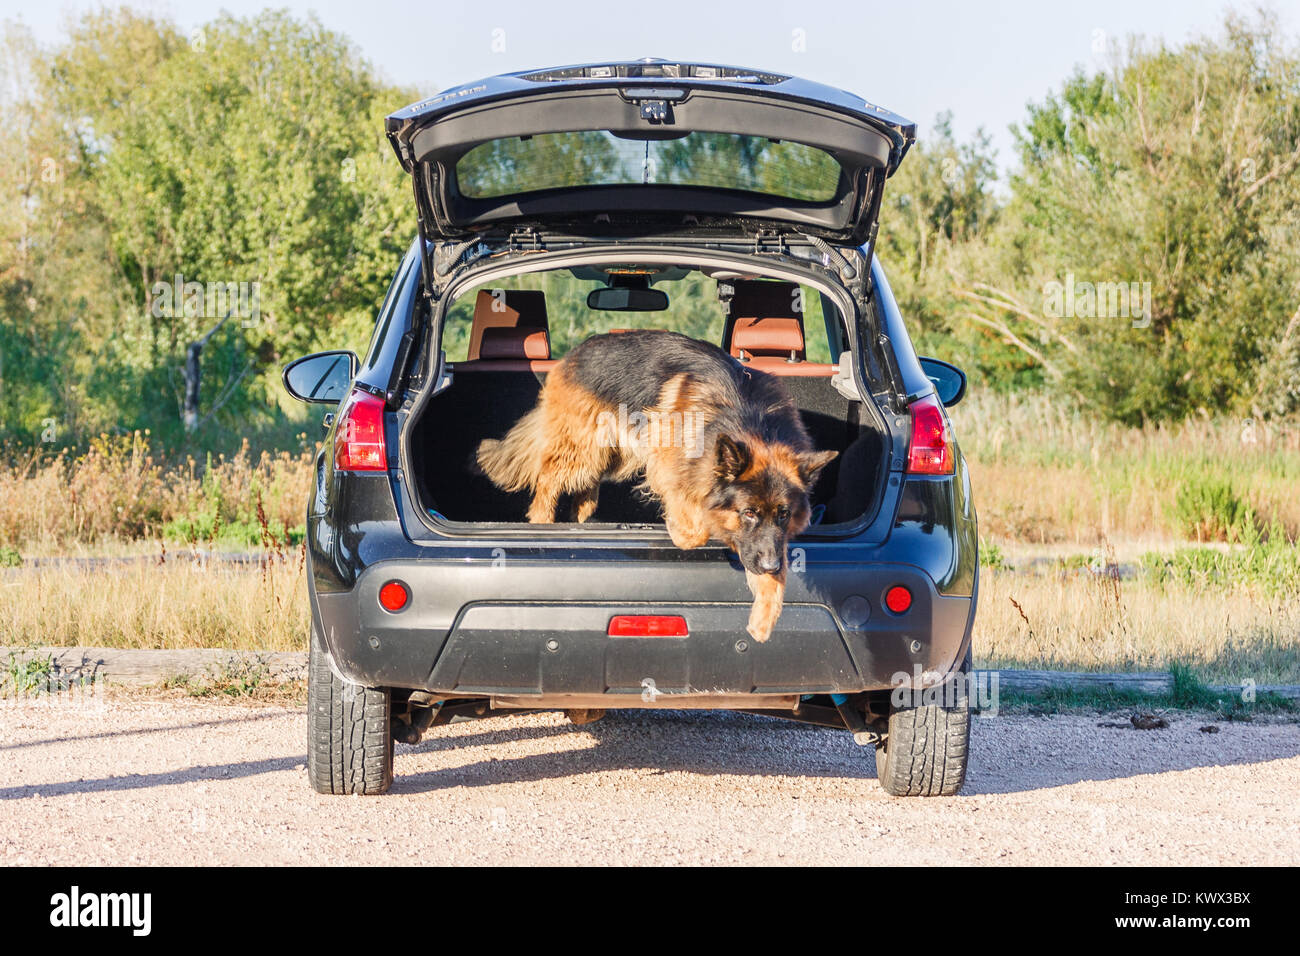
x=485 y=403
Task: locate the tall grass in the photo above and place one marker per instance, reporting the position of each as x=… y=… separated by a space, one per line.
x=118 y=491
x=170 y=605
x=1045 y=473
x=1079 y=621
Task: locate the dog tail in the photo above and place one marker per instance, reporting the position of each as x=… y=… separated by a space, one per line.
x=513 y=463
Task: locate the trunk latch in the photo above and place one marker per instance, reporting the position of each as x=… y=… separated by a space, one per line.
x=656 y=111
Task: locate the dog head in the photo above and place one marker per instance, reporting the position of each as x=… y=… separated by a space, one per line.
x=759 y=498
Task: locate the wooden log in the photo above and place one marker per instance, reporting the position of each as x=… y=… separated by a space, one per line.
x=1038 y=682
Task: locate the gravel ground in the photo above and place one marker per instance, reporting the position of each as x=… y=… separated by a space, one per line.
x=178 y=782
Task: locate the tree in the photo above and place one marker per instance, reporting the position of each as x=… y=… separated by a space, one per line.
x=246 y=164
x=1176 y=172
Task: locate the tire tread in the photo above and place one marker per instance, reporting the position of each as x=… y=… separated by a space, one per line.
x=349 y=739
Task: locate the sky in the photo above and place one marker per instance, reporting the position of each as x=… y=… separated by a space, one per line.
x=982 y=61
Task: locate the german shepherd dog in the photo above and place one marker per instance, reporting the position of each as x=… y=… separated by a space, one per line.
x=719 y=444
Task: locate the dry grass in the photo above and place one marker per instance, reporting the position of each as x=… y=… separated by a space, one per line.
x=172 y=605
x=1047 y=480
x=1071 y=620
x=117 y=493
x=1077 y=621
x=1044 y=474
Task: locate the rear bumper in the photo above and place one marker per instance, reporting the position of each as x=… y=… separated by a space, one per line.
x=538 y=629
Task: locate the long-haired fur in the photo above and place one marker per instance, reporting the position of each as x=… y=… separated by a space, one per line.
x=720 y=444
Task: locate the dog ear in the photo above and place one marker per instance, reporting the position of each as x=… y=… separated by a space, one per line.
x=733 y=458
x=811 y=464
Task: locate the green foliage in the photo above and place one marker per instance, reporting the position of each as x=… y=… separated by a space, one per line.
x=250 y=153
x=9 y=557
x=26 y=676
x=1267 y=562
x=992 y=557
x=1175 y=170
x=213 y=517
x=1208 y=508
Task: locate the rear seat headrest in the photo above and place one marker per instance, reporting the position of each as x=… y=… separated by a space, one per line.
x=504 y=342
x=780 y=337
x=763 y=320
x=505 y=308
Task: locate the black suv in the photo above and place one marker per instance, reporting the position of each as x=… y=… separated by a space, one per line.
x=739 y=207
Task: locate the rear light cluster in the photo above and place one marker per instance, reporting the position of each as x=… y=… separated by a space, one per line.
x=930 y=451
x=359 y=435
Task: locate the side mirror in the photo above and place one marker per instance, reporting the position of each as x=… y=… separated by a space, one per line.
x=322 y=378
x=949 y=381
x=623 y=299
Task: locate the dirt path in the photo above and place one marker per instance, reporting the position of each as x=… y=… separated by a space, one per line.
x=128 y=781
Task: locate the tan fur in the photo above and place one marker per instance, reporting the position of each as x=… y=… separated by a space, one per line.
x=560 y=447
x=769 y=597
x=551 y=450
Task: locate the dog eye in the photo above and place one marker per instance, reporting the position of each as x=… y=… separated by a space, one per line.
x=783 y=514
x=749 y=513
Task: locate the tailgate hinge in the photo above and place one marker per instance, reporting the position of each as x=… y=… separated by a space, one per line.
x=526 y=239
x=770 y=241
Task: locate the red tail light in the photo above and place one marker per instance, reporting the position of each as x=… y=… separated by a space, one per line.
x=359 y=437
x=647 y=625
x=930 y=452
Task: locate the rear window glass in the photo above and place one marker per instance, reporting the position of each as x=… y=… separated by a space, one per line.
x=693 y=310
x=754 y=164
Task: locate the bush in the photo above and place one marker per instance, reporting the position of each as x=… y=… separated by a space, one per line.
x=1208 y=508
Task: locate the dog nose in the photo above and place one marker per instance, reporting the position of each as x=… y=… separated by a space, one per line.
x=770 y=565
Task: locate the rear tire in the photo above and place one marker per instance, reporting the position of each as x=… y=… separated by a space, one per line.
x=926 y=749
x=349 y=730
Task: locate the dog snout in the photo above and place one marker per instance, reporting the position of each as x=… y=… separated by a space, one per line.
x=769 y=563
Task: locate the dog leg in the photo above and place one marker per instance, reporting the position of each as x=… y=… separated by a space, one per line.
x=686 y=528
x=769 y=596
x=584 y=503
x=545 y=499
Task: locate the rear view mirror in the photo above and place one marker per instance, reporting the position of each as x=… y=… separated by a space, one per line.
x=322 y=378
x=618 y=299
x=949 y=381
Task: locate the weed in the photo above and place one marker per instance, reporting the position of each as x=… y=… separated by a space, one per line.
x=1208 y=508
x=26 y=676
x=991 y=557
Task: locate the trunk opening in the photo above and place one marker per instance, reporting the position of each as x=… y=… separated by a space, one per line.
x=502 y=342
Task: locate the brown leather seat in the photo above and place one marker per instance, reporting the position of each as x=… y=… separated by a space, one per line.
x=510 y=333
x=506 y=308
x=502 y=342
x=764 y=329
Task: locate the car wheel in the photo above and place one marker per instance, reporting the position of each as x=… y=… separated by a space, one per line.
x=925 y=751
x=349 y=738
